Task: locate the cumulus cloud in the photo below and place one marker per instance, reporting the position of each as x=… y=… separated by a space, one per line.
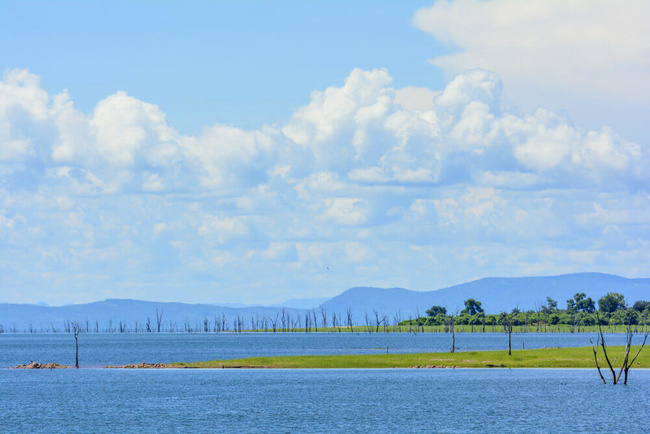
x=583 y=46
x=346 y=211
x=366 y=179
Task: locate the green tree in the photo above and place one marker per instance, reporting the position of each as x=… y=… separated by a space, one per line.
x=472 y=307
x=581 y=303
x=641 y=305
x=436 y=310
x=550 y=306
x=631 y=317
x=612 y=302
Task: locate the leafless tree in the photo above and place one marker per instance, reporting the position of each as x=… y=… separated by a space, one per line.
x=627 y=363
x=378 y=321
x=159 y=316
x=76 y=328
x=452 y=330
x=323 y=313
x=507 y=327
x=398 y=320
x=367 y=318
x=283 y=319
x=349 y=318
x=274 y=322
x=313 y=314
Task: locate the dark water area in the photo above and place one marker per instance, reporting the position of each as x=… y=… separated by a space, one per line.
x=385 y=400
x=98 y=350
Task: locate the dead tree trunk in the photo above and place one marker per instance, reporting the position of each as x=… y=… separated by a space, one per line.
x=159 y=316
x=507 y=327
x=323 y=313
x=76 y=328
x=348 y=314
x=627 y=363
x=452 y=331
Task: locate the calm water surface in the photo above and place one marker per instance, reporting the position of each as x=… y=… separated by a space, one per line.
x=98 y=350
x=396 y=400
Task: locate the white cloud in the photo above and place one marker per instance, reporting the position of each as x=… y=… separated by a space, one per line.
x=357 y=253
x=6 y=224
x=340 y=112
x=364 y=179
x=346 y=211
x=414 y=98
x=228 y=157
x=584 y=46
x=319 y=182
x=128 y=131
x=219 y=229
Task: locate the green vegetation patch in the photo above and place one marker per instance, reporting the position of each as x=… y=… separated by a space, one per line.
x=581 y=357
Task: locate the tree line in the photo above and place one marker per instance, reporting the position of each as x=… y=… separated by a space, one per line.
x=580 y=312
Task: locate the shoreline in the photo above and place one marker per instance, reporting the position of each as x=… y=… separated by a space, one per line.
x=562 y=358
x=547 y=358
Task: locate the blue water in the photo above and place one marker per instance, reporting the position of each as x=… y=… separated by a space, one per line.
x=96 y=350
x=395 y=400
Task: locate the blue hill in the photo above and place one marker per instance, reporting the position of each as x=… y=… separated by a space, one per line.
x=496 y=293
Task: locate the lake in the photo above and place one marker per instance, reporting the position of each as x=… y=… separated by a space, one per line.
x=402 y=400
x=396 y=400
x=97 y=350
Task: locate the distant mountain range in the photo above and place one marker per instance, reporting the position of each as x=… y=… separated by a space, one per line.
x=112 y=312
x=496 y=293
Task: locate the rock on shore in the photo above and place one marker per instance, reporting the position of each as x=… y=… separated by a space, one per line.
x=433 y=367
x=34 y=365
x=139 y=366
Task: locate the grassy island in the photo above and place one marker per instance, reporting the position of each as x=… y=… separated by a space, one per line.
x=581 y=357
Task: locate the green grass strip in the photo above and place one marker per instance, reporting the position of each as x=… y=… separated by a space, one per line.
x=581 y=357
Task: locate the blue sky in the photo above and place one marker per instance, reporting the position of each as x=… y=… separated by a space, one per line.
x=258 y=151
x=244 y=62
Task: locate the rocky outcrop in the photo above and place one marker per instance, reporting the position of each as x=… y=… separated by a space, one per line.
x=433 y=367
x=34 y=365
x=142 y=365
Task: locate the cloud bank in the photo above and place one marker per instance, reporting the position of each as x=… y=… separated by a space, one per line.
x=365 y=185
x=585 y=46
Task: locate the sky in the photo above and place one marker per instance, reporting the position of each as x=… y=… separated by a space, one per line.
x=256 y=151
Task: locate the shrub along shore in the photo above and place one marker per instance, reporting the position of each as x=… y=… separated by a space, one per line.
x=581 y=357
